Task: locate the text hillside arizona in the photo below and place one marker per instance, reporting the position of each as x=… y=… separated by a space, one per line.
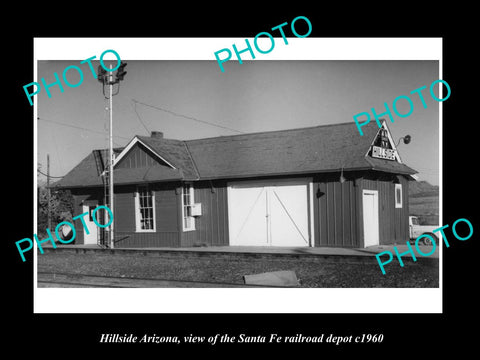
x=59 y=226
x=434 y=245
x=255 y=42
x=394 y=105
x=64 y=76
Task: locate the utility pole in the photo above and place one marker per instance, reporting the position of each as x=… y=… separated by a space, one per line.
x=49 y=213
x=108 y=80
x=110 y=172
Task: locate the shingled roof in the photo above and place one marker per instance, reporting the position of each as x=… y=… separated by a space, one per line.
x=316 y=149
x=175 y=151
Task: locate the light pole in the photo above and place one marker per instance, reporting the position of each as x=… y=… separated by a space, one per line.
x=108 y=80
x=49 y=217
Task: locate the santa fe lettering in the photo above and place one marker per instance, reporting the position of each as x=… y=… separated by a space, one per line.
x=242 y=338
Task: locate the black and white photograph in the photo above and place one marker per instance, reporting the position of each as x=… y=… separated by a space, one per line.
x=256 y=182
x=257 y=177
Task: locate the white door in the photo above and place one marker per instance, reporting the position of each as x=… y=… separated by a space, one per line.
x=248 y=215
x=90 y=238
x=269 y=213
x=370 y=217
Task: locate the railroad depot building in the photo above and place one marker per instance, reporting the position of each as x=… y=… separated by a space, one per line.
x=317 y=186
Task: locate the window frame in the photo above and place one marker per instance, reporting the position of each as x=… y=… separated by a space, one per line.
x=138 y=218
x=192 y=201
x=398 y=201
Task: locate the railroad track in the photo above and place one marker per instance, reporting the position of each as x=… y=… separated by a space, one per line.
x=69 y=280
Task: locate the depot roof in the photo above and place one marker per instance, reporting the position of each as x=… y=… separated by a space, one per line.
x=325 y=148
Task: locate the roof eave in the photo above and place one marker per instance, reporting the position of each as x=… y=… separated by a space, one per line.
x=294 y=173
x=394 y=171
x=66 y=187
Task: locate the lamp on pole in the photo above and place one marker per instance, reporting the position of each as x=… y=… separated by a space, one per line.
x=406 y=140
x=108 y=80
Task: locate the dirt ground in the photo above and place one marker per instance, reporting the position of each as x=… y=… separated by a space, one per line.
x=310 y=272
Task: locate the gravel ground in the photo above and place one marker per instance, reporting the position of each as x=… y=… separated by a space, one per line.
x=312 y=273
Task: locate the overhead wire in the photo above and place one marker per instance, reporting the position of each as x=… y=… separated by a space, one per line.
x=53 y=137
x=50 y=175
x=138 y=116
x=187 y=117
x=135 y=102
x=81 y=128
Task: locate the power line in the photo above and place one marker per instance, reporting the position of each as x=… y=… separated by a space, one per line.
x=50 y=175
x=56 y=149
x=79 y=127
x=138 y=116
x=187 y=117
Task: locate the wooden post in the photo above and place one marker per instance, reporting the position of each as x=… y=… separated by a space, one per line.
x=111 y=157
x=49 y=214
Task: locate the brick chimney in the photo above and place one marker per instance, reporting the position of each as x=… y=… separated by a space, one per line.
x=156 y=134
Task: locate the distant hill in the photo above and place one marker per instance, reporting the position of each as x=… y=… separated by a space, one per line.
x=424 y=201
x=422 y=188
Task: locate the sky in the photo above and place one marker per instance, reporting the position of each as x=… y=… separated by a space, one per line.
x=250 y=97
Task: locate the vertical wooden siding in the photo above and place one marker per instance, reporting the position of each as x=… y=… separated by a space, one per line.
x=166 y=208
x=211 y=228
x=338 y=210
x=166 y=234
x=124 y=214
x=137 y=157
x=338 y=218
x=335 y=220
x=393 y=222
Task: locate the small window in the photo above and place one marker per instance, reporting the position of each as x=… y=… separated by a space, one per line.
x=398 y=196
x=187 y=202
x=145 y=210
x=90 y=213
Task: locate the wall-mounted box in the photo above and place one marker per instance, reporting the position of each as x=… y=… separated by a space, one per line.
x=196 y=209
